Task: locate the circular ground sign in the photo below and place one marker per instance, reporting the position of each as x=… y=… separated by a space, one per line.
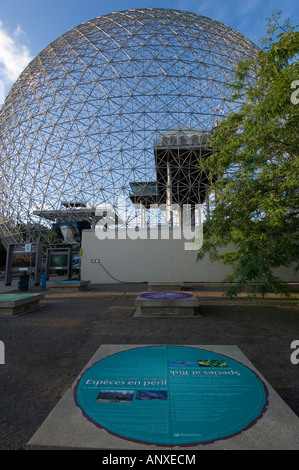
x=171 y=395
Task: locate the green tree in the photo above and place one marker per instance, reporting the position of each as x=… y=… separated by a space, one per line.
x=254 y=169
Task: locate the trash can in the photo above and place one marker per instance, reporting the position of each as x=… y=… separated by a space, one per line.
x=23 y=284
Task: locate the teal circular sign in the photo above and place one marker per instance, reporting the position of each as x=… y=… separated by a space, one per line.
x=171 y=395
x=166 y=295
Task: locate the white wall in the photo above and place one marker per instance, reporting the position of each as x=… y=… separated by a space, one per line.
x=147 y=260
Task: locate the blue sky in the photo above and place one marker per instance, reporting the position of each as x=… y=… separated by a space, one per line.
x=28 y=26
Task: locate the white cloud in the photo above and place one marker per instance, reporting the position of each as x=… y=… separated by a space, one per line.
x=14 y=56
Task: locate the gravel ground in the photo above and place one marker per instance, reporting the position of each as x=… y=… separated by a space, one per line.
x=46 y=349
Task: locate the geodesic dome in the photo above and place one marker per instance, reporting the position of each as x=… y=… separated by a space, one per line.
x=82 y=122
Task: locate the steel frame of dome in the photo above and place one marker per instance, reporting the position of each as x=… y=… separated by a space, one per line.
x=83 y=120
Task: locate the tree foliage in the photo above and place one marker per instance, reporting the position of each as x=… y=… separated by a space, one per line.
x=253 y=170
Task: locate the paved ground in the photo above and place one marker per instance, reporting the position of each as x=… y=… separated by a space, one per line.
x=46 y=349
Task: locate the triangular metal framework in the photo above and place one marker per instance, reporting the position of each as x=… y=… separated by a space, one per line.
x=82 y=120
